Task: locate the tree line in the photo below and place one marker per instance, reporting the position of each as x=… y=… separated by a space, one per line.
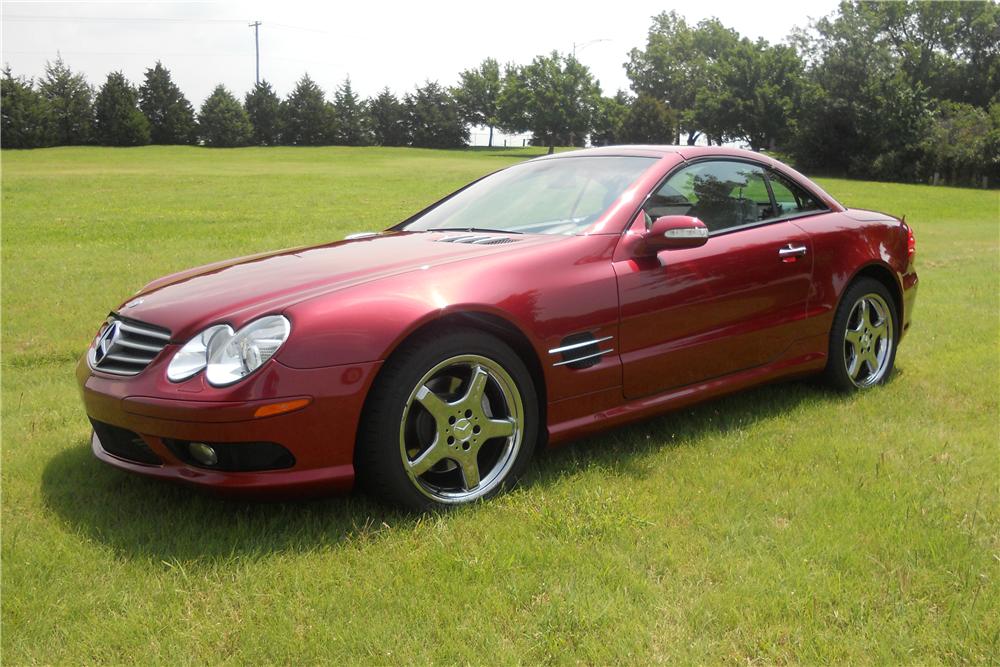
x=894 y=91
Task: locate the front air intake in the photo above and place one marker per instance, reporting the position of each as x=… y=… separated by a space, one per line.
x=124 y=444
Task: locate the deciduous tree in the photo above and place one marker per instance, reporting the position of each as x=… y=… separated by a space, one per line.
x=680 y=63
x=958 y=146
x=861 y=114
x=608 y=119
x=554 y=97
x=648 y=121
x=478 y=95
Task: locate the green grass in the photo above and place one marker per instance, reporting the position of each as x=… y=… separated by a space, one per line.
x=785 y=524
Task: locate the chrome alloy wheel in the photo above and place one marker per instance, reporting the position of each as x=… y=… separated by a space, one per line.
x=461 y=429
x=868 y=340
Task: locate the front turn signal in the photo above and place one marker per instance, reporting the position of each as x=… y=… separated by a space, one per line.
x=272 y=409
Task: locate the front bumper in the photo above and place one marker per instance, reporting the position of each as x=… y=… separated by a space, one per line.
x=320 y=435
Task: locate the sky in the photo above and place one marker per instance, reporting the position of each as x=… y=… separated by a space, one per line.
x=377 y=43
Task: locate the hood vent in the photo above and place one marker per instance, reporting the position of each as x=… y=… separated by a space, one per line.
x=476 y=239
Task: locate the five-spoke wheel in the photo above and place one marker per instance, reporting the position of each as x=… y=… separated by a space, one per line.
x=863 y=339
x=453 y=418
x=461 y=428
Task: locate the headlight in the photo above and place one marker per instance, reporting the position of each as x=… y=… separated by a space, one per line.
x=232 y=358
x=194 y=355
x=229 y=356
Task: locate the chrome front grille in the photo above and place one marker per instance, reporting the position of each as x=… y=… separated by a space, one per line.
x=126 y=347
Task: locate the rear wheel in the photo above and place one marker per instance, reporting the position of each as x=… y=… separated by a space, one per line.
x=864 y=337
x=452 y=419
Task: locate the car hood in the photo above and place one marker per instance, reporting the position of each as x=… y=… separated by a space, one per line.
x=239 y=290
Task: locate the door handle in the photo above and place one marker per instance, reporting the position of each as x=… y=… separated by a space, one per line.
x=791 y=251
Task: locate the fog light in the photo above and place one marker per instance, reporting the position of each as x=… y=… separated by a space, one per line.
x=203 y=454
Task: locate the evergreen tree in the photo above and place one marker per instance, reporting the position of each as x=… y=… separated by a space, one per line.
x=71 y=101
x=350 y=119
x=648 y=121
x=170 y=114
x=478 y=95
x=26 y=120
x=222 y=121
x=119 y=122
x=264 y=110
x=306 y=118
x=388 y=120
x=434 y=119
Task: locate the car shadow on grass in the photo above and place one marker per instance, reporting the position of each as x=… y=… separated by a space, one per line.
x=624 y=449
x=139 y=517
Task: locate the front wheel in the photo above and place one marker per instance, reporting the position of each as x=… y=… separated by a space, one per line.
x=453 y=418
x=864 y=337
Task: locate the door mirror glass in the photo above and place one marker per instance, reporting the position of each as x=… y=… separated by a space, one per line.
x=675 y=231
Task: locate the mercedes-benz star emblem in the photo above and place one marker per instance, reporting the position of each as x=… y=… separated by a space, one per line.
x=106 y=341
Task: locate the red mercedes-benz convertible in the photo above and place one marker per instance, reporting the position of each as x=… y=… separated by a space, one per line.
x=557 y=297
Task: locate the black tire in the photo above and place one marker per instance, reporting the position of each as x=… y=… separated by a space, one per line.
x=381 y=445
x=843 y=351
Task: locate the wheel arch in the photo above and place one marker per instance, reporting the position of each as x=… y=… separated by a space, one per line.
x=884 y=274
x=489 y=323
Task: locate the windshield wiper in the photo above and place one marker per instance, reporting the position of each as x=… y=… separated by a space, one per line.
x=472 y=229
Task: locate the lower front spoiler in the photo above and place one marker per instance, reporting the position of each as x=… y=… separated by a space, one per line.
x=271 y=484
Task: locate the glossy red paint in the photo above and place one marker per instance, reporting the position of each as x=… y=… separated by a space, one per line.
x=685 y=324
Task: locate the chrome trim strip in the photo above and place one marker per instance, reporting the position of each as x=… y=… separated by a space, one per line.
x=589 y=356
x=577 y=346
x=119 y=372
x=151 y=333
x=126 y=359
x=139 y=346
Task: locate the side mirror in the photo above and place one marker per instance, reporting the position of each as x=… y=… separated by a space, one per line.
x=675 y=231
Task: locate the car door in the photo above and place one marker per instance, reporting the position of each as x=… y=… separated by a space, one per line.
x=736 y=302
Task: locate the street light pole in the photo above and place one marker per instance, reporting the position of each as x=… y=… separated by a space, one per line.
x=583 y=45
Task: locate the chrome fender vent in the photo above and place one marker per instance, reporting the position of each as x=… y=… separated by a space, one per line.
x=126 y=346
x=580 y=350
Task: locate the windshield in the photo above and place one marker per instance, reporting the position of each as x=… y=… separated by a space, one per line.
x=560 y=196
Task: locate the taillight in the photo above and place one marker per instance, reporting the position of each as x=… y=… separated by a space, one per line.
x=911 y=243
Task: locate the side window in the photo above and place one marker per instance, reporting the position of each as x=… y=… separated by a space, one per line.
x=723 y=194
x=790 y=198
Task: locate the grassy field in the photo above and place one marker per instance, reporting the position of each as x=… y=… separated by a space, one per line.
x=785 y=524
